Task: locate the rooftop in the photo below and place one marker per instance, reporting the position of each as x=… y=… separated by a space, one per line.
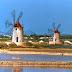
x=17 y=24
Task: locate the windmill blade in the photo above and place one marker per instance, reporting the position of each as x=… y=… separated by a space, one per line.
x=14 y=16
x=31 y=32
x=53 y=24
x=9 y=27
x=50 y=30
x=9 y=31
x=8 y=24
x=20 y=15
x=58 y=26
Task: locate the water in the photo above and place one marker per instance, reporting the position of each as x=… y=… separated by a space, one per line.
x=46 y=70
x=34 y=58
x=35 y=70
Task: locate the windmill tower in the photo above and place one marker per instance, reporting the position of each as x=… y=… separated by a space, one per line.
x=17 y=33
x=17 y=36
x=56 y=35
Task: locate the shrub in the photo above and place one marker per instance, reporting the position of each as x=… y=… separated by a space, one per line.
x=29 y=44
x=12 y=45
x=3 y=45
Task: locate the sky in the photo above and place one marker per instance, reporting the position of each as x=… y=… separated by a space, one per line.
x=38 y=15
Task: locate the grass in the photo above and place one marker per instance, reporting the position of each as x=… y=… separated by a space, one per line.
x=4 y=39
x=32 y=45
x=37 y=45
x=60 y=46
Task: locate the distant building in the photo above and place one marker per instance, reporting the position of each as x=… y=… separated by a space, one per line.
x=56 y=38
x=30 y=41
x=41 y=41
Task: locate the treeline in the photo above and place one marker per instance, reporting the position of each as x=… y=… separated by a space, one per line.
x=38 y=36
x=66 y=37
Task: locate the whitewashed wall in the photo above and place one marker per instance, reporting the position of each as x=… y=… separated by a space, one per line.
x=17 y=33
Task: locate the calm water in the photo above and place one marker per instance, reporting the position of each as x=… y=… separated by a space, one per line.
x=35 y=70
x=35 y=58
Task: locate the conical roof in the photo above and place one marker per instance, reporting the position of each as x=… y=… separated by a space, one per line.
x=56 y=31
x=17 y=24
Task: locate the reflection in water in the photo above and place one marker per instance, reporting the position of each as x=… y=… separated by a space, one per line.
x=28 y=69
x=17 y=69
x=41 y=70
x=46 y=70
x=35 y=57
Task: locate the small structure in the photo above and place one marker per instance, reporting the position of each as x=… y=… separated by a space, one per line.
x=68 y=42
x=30 y=41
x=41 y=41
x=56 y=37
x=17 y=69
x=17 y=36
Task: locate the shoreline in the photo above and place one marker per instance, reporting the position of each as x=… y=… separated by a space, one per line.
x=37 y=52
x=39 y=64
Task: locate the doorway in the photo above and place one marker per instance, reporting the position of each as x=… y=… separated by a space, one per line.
x=16 y=39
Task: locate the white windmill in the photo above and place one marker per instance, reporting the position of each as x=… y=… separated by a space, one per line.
x=56 y=35
x=17 y=33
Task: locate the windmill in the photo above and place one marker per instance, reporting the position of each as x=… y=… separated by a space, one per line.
x=56 y=33
x=15 y=28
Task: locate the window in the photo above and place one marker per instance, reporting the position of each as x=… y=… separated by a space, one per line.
x=16 y=29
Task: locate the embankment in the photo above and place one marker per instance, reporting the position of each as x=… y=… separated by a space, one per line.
x=42 y=51
x=67 y=65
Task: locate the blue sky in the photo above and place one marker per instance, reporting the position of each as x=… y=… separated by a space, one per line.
x=38 y=15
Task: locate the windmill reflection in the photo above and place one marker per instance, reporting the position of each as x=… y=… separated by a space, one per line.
x=17 y=69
